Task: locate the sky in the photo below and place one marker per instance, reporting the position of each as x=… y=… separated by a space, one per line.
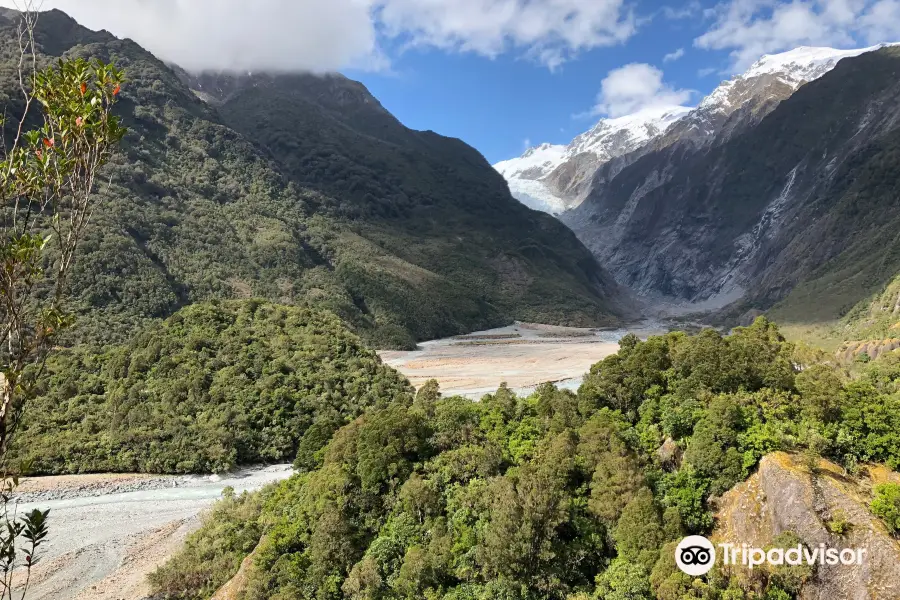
x=501 y=75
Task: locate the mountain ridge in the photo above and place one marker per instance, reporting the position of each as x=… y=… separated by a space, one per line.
x=734 y=105
x=196 y=210
x=563 y=177
x=795 y=206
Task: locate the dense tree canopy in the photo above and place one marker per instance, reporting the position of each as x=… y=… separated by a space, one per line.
x=557 y=495
x=213 y=386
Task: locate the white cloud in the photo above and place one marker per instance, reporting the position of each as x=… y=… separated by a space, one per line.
x=634 y=87
x=671 y=56
x=751 y=28
x=686 y=11
x=550 y=31
x=324 y=35
x=881 y=23
x=238 y=34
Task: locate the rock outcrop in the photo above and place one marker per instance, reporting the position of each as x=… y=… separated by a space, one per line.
x=850 y=351
x=786 y=496
x=235 y=586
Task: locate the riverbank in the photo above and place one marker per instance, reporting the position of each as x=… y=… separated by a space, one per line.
x=107 y=532
x=523 y=355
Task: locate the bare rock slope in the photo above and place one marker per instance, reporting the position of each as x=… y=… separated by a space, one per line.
x=785 y=496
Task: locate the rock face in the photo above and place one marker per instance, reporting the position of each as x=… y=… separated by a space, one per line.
x=763 y=193
x=555 y=178
x=769 y=183
x=784 y=496
x=234 y=588
x=872 y=348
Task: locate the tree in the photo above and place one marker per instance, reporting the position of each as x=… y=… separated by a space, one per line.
x=615 y=481
x=427 y=397
x=887 y=505
x=48 y=169
x=639 y=533
x=623 y=580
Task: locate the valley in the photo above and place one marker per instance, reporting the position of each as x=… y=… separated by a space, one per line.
x=293 y=348
x=774 y=194
x=158 y=512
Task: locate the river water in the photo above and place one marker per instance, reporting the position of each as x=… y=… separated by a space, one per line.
x=105 y=539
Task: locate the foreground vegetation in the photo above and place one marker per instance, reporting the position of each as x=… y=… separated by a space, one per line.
x=558 y=495
x=215 y=385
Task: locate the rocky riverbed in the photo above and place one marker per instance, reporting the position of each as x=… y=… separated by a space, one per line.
x=107 y=532
x=523 y=355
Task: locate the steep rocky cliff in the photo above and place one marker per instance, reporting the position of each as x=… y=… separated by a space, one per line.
x=785 y=496
x=793 y=196
x=556 y=178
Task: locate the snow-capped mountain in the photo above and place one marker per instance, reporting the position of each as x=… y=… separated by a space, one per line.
x=777 y=178
x=524 y=175
x=794 y=68
x=614 y=137
x=555 y=178
x=536 y=179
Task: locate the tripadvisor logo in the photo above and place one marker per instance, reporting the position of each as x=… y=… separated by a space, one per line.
x=695 y=555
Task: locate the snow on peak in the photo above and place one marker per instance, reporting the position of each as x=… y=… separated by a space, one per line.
x=614 y=137
x=608 y=139
x=802 y=64
x=543 y=157
x=794 y=67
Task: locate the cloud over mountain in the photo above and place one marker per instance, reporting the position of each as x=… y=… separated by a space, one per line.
x=751 y=28
x=312 y=35
x=635 y=87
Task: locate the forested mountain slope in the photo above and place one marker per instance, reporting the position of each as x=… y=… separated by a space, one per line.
x=801 y=206
x=214 y=386
x=430 y=200
x=193 y=210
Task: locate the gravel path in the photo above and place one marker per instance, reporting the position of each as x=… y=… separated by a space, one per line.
x=107 y=532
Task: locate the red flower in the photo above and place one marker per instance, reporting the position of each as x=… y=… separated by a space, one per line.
x=48 y=143
x=117 y=89
x=83 y=88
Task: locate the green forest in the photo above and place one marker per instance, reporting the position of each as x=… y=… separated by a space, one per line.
x=559 y=495
x=214 y=386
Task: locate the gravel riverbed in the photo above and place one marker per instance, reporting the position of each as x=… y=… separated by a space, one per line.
x=107 y=532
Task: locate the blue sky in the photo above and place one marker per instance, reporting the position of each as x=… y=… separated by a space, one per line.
x=494 y=73
x=498 y=104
